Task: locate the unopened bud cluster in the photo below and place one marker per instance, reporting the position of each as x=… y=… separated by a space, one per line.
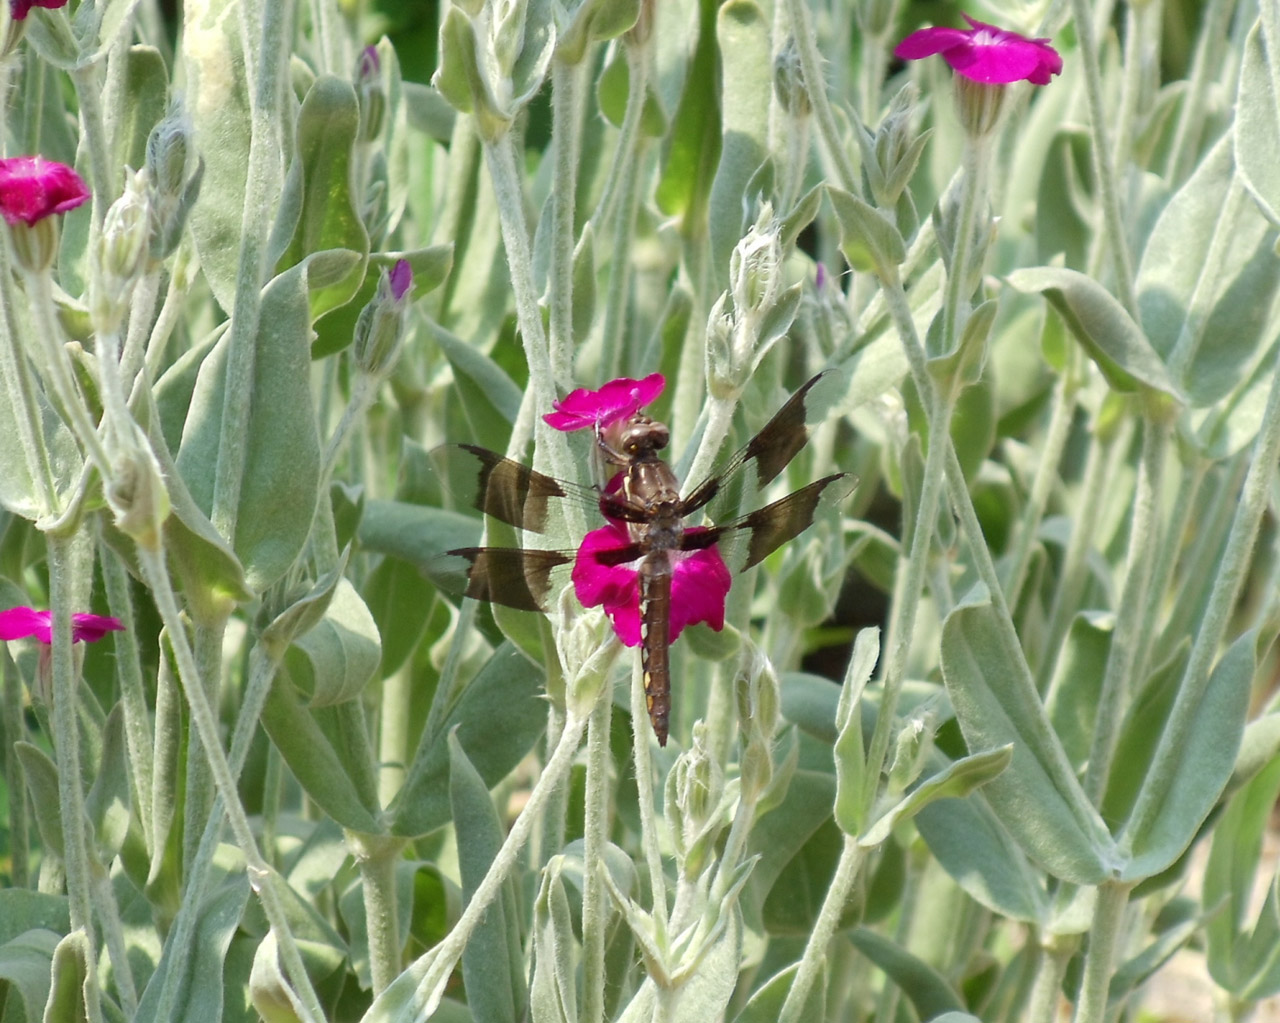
x=755 y=312
x=380 y=328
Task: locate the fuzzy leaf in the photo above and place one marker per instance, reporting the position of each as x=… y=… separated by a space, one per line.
x=1257 y=130
x=1038 y=798
x=1099 y=322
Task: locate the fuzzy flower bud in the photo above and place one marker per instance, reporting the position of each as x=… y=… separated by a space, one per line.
x=122 y=252
x=755 y=268
x=137 y=495
x=694 y=789
x=174 y=191
x=788 y=81
x=380 y=328
x=373 y=100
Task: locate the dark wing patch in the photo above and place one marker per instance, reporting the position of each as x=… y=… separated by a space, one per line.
x=502 y=487
x=776 y=444
x=516 y=578
x=749 y=540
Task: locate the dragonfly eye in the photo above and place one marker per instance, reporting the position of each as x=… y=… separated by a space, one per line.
x=644 y=434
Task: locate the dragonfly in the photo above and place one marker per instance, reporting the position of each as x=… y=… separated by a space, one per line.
x=650 y=542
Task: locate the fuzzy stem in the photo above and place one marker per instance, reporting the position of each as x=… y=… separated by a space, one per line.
x=815 y=950
x=377 y=857
x=500 y=158
x=264 y=880
x=65 y=589
x=1074 y=575
x=973 y=197
x=1113 y=218
x=642 y=735
x=1108 y=916
x=1055 y=442
x=566 y=101
x=811 y=62
x=1123 y=669
x=431 y=972
x=595 y=916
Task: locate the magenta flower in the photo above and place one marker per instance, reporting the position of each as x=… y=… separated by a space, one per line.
x=32 y=188
x=984 y=53
x=618 y=399
x=20 y=622
x=20 y=8
x=699 y=585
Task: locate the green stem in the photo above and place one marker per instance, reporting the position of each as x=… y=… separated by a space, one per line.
x=1113 y=219
x=642 y=735
x=56 y=366
x=595 y=916
x=623 y=175
x=133 y=694
x=256 y=219
x=93 y=135
x=15 y=730
x=431 y=972
x=66 y=588
x=910 y=587
x=1226 y=588
x=500 y=158
x=1046 y=989
x=377 y=857
x=811 y=65
x=566 y=132
x=1099 y=472
x=1099 y=956
x=264 y=880
x=1123 y=670
x=973 y=196
x=1055 y=442
x=1206 y=66
x=104 y=904
x=824 y=928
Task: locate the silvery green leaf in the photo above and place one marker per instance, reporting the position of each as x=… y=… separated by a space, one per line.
x=1257 y=131
x=745 y=87
x=1038 y=798
x=1099 y=322
x=953 y=782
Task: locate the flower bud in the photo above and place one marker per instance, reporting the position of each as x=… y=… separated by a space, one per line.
x=380 y=328
x=373 y=99
x=755 y=268
x=173 y=189
x=694 y=789
x=137 y=495
x=788 y=81
x=123 y=248
x=758 y=696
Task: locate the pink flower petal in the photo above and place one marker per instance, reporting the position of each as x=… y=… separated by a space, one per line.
x=699 y=588
x=32 y=188
x=19 y=9
x=615 y=587
x=21 y=622
x=984 y=53
x=24 y=622
x=91 y=628
x=926 y=42
x=616 y=400
x=699 y=585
